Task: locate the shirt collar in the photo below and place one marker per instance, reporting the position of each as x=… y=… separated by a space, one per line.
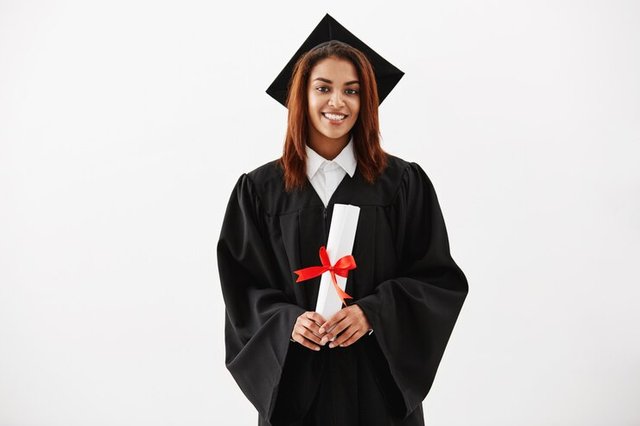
x=346 y=159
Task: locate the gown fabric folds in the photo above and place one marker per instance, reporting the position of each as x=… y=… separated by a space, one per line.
x=406 y=283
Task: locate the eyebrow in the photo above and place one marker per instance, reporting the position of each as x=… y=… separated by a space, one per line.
x=330 y=82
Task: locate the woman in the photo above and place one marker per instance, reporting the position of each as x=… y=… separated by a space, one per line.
x=374 y=361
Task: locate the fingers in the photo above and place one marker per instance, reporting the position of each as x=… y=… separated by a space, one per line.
x=314 y=316
x=349 y=325
x=306 y=331
x=340 y=321
x=309 y=329
x=312 y=321
x=347 y=338
x=312 y=327
x=346 y=327
x=307 y=339
x=339 y=316
x=332 y=333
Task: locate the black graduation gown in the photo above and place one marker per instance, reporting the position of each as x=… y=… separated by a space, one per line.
x=406 y=283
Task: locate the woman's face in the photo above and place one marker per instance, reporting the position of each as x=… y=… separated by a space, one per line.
x=334 y=99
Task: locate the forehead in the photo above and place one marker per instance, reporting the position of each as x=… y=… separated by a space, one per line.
x=334 y=69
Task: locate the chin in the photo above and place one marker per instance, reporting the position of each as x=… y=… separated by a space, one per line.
x=337 y=135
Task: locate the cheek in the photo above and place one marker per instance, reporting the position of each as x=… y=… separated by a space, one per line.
x=314 y=105
x=355 y=109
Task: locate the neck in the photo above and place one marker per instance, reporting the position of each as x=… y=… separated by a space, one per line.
x=327 y=147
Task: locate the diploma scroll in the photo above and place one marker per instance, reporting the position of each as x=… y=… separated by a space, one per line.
x=342 y=235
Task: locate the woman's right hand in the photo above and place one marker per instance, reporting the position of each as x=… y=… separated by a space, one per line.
x=306 y=330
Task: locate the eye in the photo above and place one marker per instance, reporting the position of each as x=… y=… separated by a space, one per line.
x=321 y=89
x=352 y=91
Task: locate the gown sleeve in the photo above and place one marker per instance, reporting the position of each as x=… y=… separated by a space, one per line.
x=259 y=317
x=413 y=314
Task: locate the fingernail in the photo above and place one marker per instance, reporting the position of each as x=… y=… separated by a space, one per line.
x=321 y=330
x=331 y=345
x=316 y=348
x=323 y=341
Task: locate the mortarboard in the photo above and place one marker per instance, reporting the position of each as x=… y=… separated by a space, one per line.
x=387 y=75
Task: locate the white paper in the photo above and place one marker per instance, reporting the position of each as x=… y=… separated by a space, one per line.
x=342 y=234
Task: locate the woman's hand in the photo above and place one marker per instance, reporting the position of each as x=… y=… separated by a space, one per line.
x=350 y=321
x=306 y=330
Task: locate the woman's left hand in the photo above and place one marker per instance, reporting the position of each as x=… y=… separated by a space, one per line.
x=350 y=321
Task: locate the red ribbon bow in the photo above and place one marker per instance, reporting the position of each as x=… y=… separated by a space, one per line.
x=341 y=267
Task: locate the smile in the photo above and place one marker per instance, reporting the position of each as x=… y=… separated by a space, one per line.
x=334 y=117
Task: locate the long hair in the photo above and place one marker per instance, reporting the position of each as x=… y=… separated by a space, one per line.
x=372 y=160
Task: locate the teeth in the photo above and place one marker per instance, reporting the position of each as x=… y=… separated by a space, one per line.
x=334 y=116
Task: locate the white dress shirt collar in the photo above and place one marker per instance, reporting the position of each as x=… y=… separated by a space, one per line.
x=346 y=159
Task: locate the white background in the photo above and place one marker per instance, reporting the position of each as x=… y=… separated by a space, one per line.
x=125 y=124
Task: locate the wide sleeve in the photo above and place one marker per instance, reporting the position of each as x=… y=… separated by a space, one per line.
x=413 y=314
x=259 y=316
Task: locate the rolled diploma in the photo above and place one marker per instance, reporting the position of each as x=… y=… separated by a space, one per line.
x=342 y=234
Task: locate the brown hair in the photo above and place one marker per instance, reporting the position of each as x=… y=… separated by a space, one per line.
x=372 y=160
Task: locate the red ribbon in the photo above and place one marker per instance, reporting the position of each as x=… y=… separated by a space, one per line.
x=341 y=267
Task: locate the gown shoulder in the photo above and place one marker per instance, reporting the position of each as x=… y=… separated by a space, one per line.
x=272 y=171
x=267 y=180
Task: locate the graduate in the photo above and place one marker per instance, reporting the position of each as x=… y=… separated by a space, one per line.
x=374 y=361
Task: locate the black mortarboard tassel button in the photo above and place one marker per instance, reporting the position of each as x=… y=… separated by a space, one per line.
x=387 y=75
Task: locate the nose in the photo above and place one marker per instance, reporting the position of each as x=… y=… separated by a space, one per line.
x=336 y=99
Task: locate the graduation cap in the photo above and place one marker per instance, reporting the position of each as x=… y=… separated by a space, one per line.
x=387 y=75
